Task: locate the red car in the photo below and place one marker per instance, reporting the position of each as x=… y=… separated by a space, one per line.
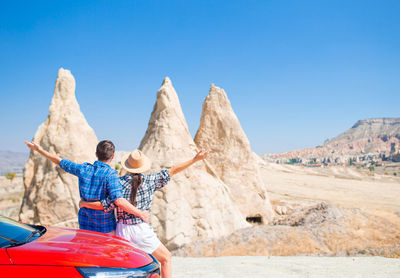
x=37 y=251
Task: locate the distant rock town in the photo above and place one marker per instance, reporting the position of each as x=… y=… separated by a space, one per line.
x=368 y=142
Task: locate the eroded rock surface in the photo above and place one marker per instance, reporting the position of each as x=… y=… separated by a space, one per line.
x=195 y=204
x=321 y=229
x=232 y=159
x=52 y=195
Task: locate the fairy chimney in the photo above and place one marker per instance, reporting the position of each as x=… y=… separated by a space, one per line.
x=195 y=204
x=52 y=195
x=232 y=158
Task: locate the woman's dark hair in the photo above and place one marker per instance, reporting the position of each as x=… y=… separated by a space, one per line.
x=105 y=150
x=135 y=183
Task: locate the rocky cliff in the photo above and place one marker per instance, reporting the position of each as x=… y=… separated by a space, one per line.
x=365 y=136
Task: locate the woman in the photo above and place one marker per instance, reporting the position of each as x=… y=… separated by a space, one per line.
x=139 y=189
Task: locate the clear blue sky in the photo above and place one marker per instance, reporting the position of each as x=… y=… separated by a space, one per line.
x=296 y=72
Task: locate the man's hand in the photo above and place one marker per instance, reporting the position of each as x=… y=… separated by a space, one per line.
x=32 y=145
x=126 y=206
x=145 y=216
x=52 y=157
x=202 y=154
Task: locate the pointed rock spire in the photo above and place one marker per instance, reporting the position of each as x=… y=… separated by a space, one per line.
x=52 y=195
x=232 y=158
x=194 y=205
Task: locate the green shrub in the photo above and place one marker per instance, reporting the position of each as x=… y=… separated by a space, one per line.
x=371 y=168
x=10 y=176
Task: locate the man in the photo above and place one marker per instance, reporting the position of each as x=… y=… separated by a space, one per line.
x=97 y=181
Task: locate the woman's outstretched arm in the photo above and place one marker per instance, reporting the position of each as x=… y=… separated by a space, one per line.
x=182 y=166
x=92 y=205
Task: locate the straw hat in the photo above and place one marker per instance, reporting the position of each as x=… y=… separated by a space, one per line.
x=136 y=162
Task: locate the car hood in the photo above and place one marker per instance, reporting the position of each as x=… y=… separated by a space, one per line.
x=70 y=247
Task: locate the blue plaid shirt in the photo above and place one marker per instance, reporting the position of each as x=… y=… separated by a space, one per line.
x=144 y=195
x=96 y=182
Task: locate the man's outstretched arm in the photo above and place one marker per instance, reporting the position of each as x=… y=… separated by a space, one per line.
x=35 y=147
x=126 y=206
x=182 y=166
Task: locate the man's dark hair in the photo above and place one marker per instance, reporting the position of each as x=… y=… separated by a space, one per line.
x=105 y=150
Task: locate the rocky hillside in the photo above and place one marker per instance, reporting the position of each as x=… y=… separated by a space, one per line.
x=365 y=136
x=320 y=229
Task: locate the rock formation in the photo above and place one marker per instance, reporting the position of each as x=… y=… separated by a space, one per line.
x=232 y=159
x=368 y=136
x=52 y=195
x=319 y=229
x=195 y=204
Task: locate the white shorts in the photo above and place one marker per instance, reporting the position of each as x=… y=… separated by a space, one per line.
x=141 y=235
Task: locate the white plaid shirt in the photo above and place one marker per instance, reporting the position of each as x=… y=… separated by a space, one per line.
x=144 y=195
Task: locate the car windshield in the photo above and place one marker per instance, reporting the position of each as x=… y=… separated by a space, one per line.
x=14 y=233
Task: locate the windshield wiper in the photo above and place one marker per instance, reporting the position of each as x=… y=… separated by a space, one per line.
x=34 y=233
x=14 y=243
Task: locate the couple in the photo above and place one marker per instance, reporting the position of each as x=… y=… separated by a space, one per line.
x=101 y=191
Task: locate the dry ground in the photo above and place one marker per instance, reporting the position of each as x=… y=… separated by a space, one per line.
x=334 y=211
x=286 y=267
x=337 y=185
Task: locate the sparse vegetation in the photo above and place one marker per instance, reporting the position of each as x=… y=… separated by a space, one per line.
x=395 y=174
x=371 y=168
x=10 y=176
x=14 y=199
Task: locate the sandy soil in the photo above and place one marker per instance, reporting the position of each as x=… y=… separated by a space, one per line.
x=337 y=185
x=282 y=267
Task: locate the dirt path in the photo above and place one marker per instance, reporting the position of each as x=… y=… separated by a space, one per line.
x=283 y=267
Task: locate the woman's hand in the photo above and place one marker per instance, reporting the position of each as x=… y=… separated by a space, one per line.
x=182 y=166
x=202 y=154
